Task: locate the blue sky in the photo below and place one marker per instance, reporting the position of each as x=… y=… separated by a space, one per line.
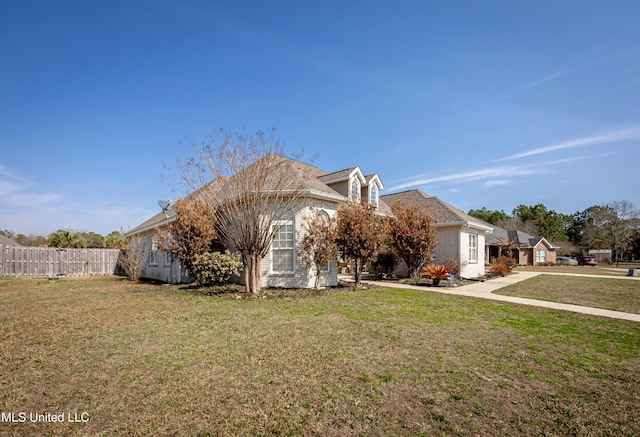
x=481 y=103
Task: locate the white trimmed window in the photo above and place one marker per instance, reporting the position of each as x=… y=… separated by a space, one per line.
x=355 y=189
x=541 y=256
x=153 y=251
x=374 y=195
x=167 y=258
x=283 y=247
x=473 y=247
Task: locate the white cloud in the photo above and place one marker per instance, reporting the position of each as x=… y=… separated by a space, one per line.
x=468 y=176
x=492 y=176
x=620 y=135
x=9 y=173
x=15 y=191
x=569 y=70
x=8 y=188
x=545 y=79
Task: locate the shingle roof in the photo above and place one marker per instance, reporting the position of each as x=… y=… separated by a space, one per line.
x=518 y=238
x=313 y=180
x=7 y=241
x=340 y=174
x=440 y=210
x=369 y=178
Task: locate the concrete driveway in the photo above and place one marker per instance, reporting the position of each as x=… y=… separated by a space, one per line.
x=484 y=290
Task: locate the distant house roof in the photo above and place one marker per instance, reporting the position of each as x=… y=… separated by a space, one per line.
x=441 y=211
x=7 y=241
x=517 y=238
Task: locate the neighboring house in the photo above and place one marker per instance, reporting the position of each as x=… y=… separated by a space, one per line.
x=283 y=266
x=525 y=248
x=602 y=254
x=461 y=238
x=7 y=241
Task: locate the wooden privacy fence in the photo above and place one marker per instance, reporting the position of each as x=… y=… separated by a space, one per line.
x=43 y=262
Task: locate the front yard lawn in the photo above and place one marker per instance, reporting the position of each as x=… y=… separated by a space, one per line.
x=144 y=359
x=612 y=294
x=602 y=269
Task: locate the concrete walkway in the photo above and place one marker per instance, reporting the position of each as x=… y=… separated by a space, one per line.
x=484 y=290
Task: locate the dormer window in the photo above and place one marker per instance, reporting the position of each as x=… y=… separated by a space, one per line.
x=355 y=189
x=374 y=194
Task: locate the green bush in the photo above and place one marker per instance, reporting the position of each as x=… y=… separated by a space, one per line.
x=216 y=268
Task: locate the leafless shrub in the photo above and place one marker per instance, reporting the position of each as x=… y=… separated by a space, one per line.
x=319 y=245
x=131 y=257
x=248 y=183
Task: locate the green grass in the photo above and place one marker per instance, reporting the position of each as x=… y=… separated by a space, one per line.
x=613 y=294
x=157 y=360
x=601 y=269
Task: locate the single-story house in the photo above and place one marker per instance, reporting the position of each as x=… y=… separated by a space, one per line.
x=283 y=267
x=7 y=241
x=525 y=248
x=461 y=238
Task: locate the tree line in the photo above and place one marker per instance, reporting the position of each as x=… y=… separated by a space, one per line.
x=614 y=226
x=65 y=238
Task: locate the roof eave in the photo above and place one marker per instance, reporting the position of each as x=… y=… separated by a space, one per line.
x=151 y=227
x=464 y=223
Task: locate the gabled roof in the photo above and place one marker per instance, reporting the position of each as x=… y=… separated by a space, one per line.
x=518 y=238
x=371 y=178
x=343 y=175
x=441 y=211
x=314 y=180
x=305 y=173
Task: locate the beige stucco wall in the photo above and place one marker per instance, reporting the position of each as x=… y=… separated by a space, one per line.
x=171 y=272
x=303 y=275
x=453 y=246
x=342 y=187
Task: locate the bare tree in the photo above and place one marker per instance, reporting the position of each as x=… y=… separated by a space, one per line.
x=245 y=180
x=131 y=256
x=319 y=245
x=411 y=236
x=191 y=233
x=360 y=235
x=517 y=224
x=619 y=229
x=506 y=246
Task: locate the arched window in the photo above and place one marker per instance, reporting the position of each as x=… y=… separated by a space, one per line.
x=323 y=215
x=355 y=189
x=374 y=194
